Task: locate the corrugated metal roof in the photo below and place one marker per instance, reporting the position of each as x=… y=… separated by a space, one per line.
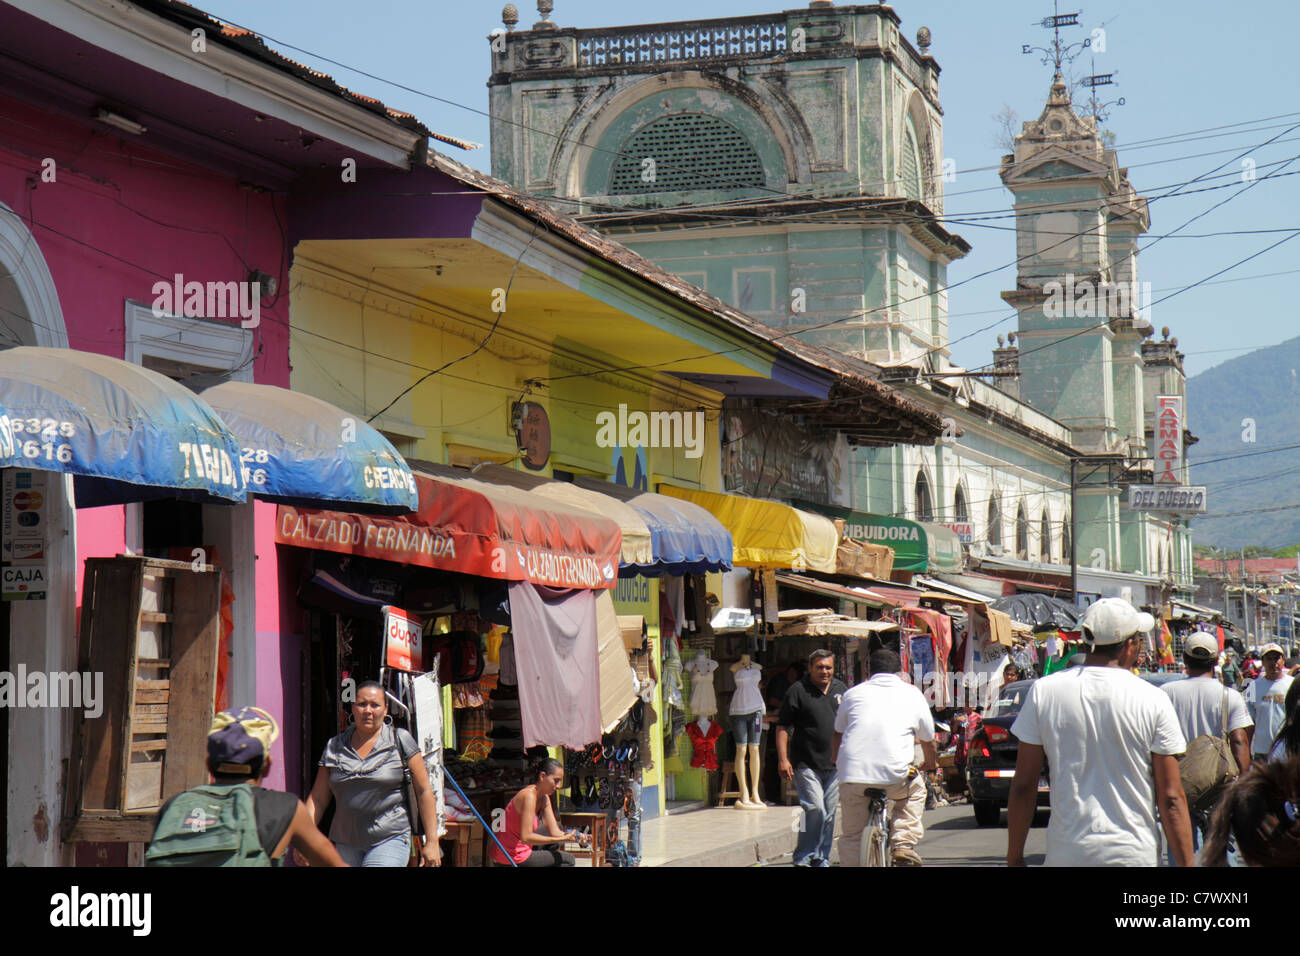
x=252 y=45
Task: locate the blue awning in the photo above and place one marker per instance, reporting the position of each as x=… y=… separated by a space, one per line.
x=299 y=450
x=684 y=538
x=127 y=433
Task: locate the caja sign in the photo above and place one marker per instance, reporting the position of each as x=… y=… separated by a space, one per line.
x=402 y=638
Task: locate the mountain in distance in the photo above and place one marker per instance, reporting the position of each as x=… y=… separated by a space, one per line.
x=1249 y=404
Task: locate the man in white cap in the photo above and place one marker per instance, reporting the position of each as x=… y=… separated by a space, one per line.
x=1266 y=698
x=1206 y=708
x=1111 y=741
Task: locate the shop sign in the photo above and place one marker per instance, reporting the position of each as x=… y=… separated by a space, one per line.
x=962 y=530
x=449 y=549
x=1169 y=440
x=22 y=520
x=402 y=634
x=532 y=434
x=23 y=582
x=908 y=539
x=1181 y=499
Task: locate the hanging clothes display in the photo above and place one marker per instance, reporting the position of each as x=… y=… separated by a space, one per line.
x=556 y=658
x=703 y=700
x=704 y=743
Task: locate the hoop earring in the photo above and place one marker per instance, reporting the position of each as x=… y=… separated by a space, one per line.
x=388 y=719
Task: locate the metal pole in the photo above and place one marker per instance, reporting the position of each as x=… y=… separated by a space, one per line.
x=1074 y=537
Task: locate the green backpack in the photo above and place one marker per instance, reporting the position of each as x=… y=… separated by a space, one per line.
x=213 y=825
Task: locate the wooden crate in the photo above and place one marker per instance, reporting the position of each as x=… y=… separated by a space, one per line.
x=151 y=627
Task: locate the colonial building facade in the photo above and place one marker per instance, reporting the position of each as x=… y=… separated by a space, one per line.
x=792 y=164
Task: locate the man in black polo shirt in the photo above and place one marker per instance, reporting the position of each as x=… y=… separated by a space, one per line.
x=809 y=713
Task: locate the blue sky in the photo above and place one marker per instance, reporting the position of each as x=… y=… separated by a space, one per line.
x=1197 y=71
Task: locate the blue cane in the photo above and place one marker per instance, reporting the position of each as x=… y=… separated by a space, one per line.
x=448 y=775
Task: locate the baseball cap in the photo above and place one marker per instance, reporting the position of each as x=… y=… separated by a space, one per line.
x=237 y=738
x=1201 y=647
x=1114 y=620
x=1271 y=649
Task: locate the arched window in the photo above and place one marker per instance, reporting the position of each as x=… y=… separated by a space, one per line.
x=960 y=512
x=1045 y=539
x=1022 y=534
x=683 y=152
x=910 y=167
x=924 y=503
x=995 y=521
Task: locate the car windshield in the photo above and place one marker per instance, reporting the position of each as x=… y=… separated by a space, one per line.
x=1011 y=700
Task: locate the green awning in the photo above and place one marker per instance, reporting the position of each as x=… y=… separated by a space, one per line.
x=908 y=538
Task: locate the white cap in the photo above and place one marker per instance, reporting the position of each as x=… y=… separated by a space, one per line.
x=1113 y=621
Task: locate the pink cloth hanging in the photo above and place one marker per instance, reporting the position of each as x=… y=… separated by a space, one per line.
x=556 y=658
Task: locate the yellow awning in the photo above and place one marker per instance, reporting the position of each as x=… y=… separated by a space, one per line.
x=768 y=534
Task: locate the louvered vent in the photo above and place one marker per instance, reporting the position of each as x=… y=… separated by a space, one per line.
x=684 y=152
x=911 y=165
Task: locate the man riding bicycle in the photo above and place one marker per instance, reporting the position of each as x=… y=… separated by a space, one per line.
x=877 y=728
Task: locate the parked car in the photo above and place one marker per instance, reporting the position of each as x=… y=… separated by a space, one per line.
x=991 y=760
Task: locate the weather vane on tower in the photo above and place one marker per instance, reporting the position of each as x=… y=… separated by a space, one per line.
x=1061 y=53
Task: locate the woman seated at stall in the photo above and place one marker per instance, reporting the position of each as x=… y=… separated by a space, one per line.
x=532 y=836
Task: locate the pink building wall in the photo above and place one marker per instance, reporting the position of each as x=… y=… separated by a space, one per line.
x=117 y=218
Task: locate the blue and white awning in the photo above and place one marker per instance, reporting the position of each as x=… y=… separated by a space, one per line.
x=298 y=450
x=127 y=433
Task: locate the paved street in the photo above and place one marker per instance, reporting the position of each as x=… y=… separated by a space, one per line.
x=953 y=839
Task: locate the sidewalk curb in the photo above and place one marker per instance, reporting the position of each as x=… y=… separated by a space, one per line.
x=747 y=852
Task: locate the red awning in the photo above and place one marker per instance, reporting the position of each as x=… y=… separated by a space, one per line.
x=473 y=527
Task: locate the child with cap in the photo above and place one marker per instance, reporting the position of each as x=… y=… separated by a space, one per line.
x=234 y=821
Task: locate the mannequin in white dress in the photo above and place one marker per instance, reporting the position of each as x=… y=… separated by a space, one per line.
x=703 y=701
x=746 y=711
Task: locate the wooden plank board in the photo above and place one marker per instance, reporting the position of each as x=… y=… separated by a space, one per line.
x=152 y=696
x=142 y=684
x=196 y=603
x=108 y=632
x=144 y=784
x=156 y=617
x=115 y=829
x=154 y=726
x=146 y=746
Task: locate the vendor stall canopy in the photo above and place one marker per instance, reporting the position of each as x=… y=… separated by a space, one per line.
x=684 y=538
x=127 y=433
x=1040 y=611
x=299 y=450
x=636 y=535
x=917 y=546
x=768 y=534
x=471 y=526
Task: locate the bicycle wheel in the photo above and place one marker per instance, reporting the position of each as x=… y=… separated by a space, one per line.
x=873 y=846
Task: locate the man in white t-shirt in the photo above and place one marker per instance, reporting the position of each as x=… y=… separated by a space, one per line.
x=1111 y=740
x=877 y=727
x=1199 y=700
x=1266 y=697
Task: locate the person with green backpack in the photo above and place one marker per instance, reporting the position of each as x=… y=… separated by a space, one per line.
x=234 y=821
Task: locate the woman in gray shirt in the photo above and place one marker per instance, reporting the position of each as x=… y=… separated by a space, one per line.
x=361 y=769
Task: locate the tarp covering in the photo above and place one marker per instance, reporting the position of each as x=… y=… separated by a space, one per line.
x=127 y=433
x=296 y=449
x=636 y=535
x=943 y=548
x=1040 y=610
x=684 y=538
x=556 y=657
x=473 y=527
x=617 y=690
x=768 y=534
